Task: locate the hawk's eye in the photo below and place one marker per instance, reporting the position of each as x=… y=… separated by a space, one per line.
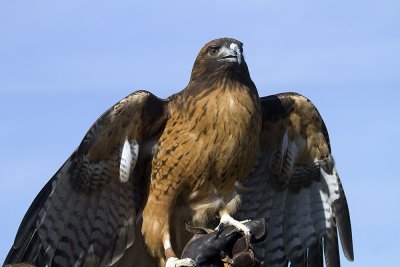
x=213 y=50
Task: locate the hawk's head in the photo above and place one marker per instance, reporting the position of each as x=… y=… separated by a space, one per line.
x=223 y=51
x=220 y=58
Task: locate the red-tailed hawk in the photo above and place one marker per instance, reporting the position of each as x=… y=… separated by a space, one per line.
x=148 y=166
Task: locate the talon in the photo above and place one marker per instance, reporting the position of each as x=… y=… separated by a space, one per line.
x=175 y=262
x=228 y=220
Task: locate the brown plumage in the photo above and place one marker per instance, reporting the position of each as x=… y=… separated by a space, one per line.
x=148 y=165
x=209 y=143
x=174 y=161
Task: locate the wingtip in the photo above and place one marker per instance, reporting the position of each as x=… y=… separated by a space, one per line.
x=343 y=223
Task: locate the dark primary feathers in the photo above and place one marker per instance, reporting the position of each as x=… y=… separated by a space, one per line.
x=87 y=214
x=296 y=187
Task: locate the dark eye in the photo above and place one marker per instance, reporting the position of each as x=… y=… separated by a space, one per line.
x=213 y=50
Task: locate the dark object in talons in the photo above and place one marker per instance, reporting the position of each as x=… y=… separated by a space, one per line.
x=206 y=248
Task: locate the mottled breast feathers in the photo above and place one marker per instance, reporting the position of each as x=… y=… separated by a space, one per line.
x=209 y=143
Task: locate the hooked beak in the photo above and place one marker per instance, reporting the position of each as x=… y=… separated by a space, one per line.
x=231 y=54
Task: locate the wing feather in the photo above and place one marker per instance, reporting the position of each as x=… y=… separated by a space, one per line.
x=331 y=249
x=342 y=218
x=315 y=255
x=292 y=242
x=88 y=213
x=296 y=187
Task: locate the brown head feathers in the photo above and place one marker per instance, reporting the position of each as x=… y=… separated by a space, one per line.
x=220 y=59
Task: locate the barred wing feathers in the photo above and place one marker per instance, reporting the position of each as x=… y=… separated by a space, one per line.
x=88 y=214
x=296 y=186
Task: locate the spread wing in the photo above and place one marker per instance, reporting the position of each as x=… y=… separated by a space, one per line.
x=296 y=187
x=88 y=214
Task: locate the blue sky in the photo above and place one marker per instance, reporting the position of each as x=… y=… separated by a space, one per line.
x=63 y=63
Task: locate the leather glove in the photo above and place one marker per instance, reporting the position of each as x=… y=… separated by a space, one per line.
x=226 y=246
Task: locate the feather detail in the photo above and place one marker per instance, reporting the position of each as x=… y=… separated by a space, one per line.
x=315 y=255
x=292 y=242
x=86 y=214
x=275 y=247
x=306 y=230
x=296 y=187
x=331 y=249
x=342 y=218
x=129 y=156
